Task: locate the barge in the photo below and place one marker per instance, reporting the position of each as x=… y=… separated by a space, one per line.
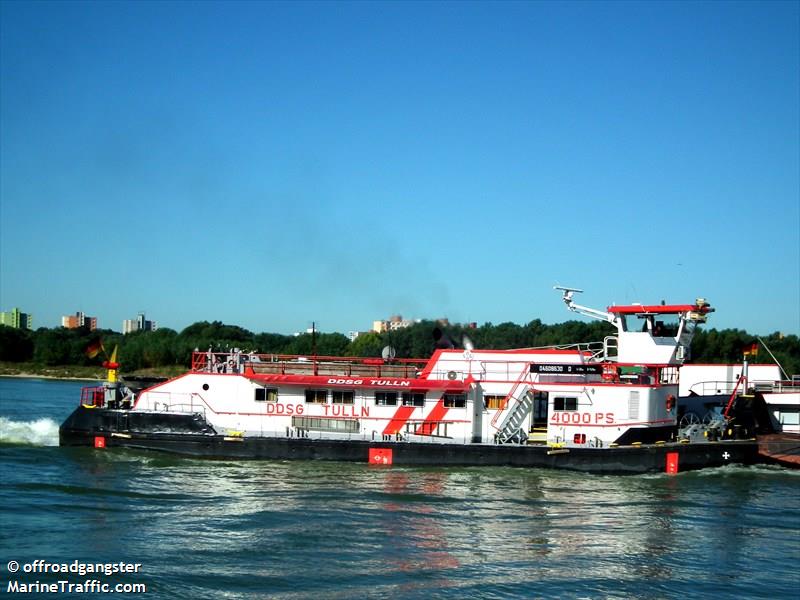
x=763 y=395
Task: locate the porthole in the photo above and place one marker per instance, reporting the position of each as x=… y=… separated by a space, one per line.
x=205 y=387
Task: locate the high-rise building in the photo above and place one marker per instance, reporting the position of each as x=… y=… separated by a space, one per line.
x=78 y=320
x=17 y=319
x=138 y=324
x=393 y=323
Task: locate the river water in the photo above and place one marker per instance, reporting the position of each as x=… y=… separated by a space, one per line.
x=231 y=529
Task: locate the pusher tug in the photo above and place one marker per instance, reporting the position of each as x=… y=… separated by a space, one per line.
x=609 y=407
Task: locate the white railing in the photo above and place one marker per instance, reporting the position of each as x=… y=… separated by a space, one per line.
x=178 y=402
x=372 y=436
x=713 y=388
x=716 y=388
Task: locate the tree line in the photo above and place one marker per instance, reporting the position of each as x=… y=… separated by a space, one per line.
x=166 y=347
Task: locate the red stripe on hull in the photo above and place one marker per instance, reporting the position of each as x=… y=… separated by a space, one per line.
x=432 y=420
x=399 y=419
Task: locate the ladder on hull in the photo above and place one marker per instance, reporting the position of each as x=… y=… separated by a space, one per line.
x=511 y=428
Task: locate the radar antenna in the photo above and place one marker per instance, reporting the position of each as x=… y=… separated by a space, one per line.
x=583 y=310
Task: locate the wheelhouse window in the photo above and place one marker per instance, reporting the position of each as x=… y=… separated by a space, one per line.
x=386 y=398
x=565 y=403
x=316 y=396
x=413 y=399
x=266 y=395
x=455 y=400
x=343 y=396
x=493 y=402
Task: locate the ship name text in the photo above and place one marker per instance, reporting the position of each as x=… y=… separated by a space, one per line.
x=375 y=382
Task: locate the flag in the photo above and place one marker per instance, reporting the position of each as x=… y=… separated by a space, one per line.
x=94 y=348
x=751 y=350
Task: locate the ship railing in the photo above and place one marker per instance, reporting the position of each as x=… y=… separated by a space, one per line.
x=280 y=364
x=503 y=369
x=592 y=351
x=514 y=371
x=609 y=350
x=93 y=395
x=788 y=385
x=514 y=397
x=364 y=436
x=713 y=388
x=718 y=388
x=482 y=370
x=188 y=408
x=179 y=402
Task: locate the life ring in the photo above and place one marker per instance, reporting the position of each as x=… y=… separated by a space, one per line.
x=609 y=372
x=670 y=402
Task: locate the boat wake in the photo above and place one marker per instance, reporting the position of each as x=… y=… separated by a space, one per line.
x=41 y=432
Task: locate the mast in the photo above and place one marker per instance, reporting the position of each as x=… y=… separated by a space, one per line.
x=314 y=345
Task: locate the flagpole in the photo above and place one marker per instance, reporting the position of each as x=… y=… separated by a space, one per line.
x=780 y=366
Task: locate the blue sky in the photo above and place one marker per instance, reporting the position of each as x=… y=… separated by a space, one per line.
x=274 y=164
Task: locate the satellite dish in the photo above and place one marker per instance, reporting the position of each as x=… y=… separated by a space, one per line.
x=388 y=353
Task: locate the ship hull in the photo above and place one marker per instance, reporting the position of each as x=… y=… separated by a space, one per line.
x=190 y=435
x=780 y=448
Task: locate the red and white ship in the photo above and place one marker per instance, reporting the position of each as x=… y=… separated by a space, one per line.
x=605 y=408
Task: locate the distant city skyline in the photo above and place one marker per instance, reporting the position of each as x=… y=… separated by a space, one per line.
x=79 y=319
x=16 y=318
x=270 y=164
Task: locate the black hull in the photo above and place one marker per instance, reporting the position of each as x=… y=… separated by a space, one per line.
x=189 y=435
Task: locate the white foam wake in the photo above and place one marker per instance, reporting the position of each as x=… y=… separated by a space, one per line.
x=41 y=432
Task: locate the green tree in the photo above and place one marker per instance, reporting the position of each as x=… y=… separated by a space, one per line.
x=16 y=345
x=54 y=347
x=271 y=343
x=203 y=335
x=367 y=344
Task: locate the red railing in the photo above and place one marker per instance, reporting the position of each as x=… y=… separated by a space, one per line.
x=283 y=364
x=93 y=396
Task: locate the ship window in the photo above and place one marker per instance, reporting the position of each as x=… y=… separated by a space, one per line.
x=666 y=326
x=493 y=402
x=455 y=400
x=386 y=398
x=342 y=396
x=413 y=399
x=322 y=424
x=316 y=396
x=788 y=418
x=266 y=395
x=565 y=403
